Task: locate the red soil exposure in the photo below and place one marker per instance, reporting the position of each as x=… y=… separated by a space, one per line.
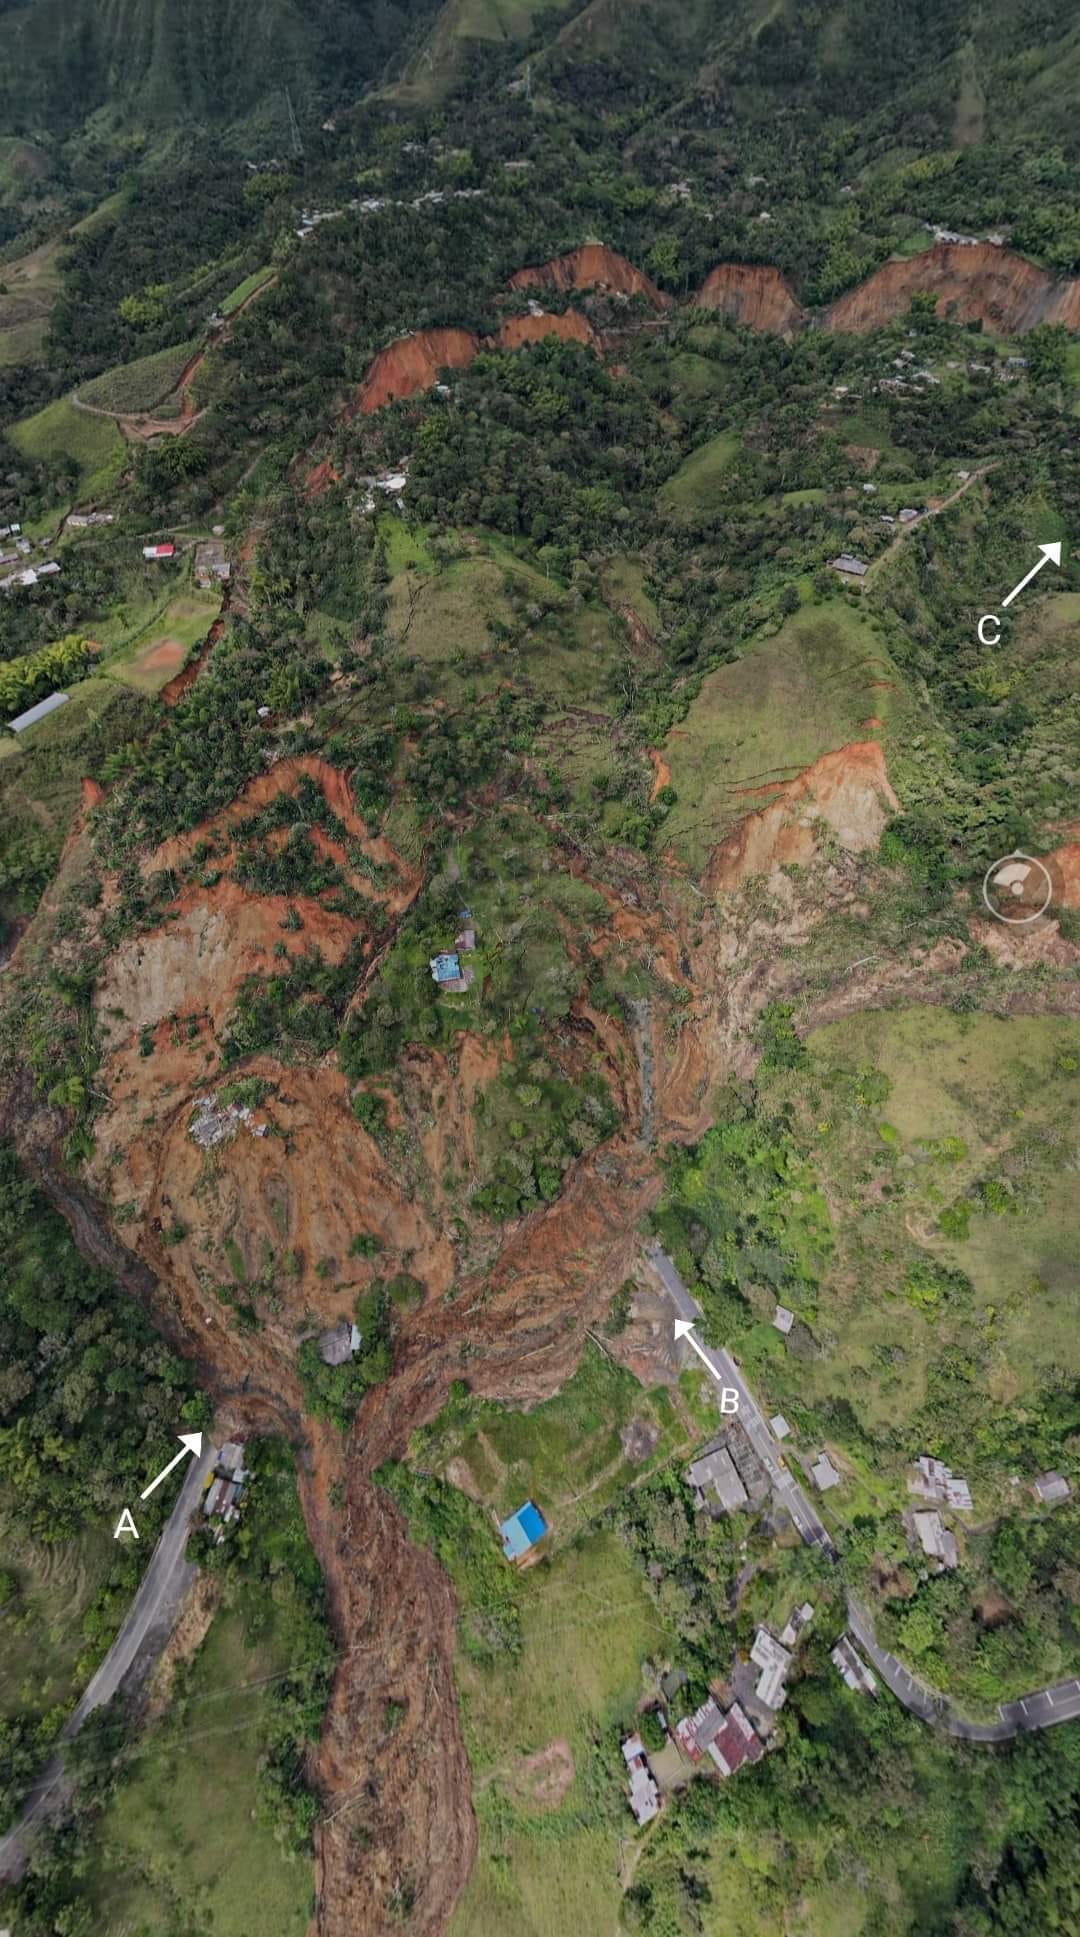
x=848 y=790
x=412 y=363
x=320 y=478
x=167 y=652
x=661 y=772
x=1064 y=867
x=974 y=282
x=176 y=688
x=92 y=794
x=519 y=331
x=758 y=297
x=591 y=267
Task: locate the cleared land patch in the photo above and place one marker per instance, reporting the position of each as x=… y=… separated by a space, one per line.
x=762 y=720
x=140 y=385
x=60 y=431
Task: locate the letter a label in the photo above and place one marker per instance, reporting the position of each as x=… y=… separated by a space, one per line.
x=126 y=1524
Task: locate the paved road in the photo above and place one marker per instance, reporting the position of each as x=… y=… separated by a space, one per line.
x=1059 y=1703
x=1039 y=1710
x=751 y=1418
x=147 y=1626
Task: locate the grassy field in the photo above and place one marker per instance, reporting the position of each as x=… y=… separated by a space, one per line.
x=162 y=647
x=566 y=1454
x=139 y=385
x=587 y=1626
x=244 y=289
x=183 y=1837
x=60 y=431
x=31 y=284
x=767 y=716
x=41 y=1640
x=697 y=487
x=967 y=1098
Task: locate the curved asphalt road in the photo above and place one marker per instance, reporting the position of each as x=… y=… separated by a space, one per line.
x=1040 y=1710
x=147 y=1626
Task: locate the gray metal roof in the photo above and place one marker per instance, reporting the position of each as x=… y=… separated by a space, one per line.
x=38 y=712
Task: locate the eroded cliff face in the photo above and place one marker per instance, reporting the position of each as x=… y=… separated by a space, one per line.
x=591 y=267
x=845 y=793
x=974 y=282
x=752 y=294
x=519 y=331
x=412 y=363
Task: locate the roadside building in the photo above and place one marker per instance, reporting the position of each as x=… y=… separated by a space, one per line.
x=779 y=1427
x=39 y=712
x=644 y=1794
x=774 y=1661
x=714 y=1473
x=799 y=1619
x=523 y=1531
x=851 y=1667
x=1051 y=1488
x=850 y=566
x=783 y=1320
x=933 y=1480
x=908 y=515
x=935 y=1539
x=824 y=1473
x=159 y=551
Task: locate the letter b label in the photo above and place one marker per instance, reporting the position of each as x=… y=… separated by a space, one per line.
x=729 y=1399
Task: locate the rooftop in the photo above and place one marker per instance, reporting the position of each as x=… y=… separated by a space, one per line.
x=716 y=1470
x=824 y=1473
x=38 y=712
x=522 y=1530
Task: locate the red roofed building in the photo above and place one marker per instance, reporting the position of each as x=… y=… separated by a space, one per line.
x=159 y=551
x=728 y=1740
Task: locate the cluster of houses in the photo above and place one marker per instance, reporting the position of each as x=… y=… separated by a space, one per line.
x=937 y=1484
x=451 y=975
x=734 y=1724
x=222 y=1499
x=24 y=575
x=82 y=520
x=389 y=484
x=311 y=219
x=29 y=575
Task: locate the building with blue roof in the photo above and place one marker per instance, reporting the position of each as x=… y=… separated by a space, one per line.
x=522 y=1531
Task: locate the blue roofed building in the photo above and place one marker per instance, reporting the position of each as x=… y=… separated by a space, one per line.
x=522 y=1531
x=445 y=967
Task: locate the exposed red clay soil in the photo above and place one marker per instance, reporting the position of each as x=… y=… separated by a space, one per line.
x=92 y=793
x=974 y=282
x=661 y=772
x=519 y=331
x=749 y=293
x=412 y=363
x=176 y=688
x=1064 y=866
x=320 y=478
x=167 y=652
x=591 y=267
x=524 y=1307
x=848 y=790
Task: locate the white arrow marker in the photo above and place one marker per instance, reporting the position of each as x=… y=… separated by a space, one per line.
x=1051 y=555
x=729 y=1397
x=189 y=1443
